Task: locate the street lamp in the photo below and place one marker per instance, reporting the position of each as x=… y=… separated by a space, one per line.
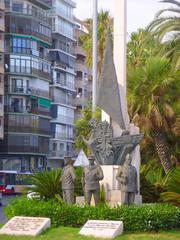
x=95 y=53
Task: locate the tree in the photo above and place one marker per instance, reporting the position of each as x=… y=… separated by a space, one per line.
x=173 y=189
x=141 y=46
x=150 y=102
x=166 y=27
x=83 y=127
x=104 y=26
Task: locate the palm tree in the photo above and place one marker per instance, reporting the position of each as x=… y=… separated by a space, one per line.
x=141 y=46
x=166 y=26
x=149 y=95
x=104 y=26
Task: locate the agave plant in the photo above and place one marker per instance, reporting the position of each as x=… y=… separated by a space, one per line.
x=46 y=184
x=173 y=189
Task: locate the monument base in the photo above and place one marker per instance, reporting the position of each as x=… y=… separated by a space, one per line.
x=111 y=186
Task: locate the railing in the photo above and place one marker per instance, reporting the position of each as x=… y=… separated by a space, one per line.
x=60 y=29
x=64 y=136
x=63 y=13
x=29 y=91
x=61 y=99
x=27 y=149
x=65 y=119
x=26 y=129
x=34 y=13
x=23 y=30
x=64 y=84
x=22 y=109
x=60 y=154
x=29 y=70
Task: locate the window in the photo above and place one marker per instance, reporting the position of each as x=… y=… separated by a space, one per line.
x=17 y=7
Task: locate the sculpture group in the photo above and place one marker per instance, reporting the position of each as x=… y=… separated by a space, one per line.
x=92 y=175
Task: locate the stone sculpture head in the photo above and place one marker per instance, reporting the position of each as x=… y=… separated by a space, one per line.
x=91 y=160
x=128 y=160
x=68 y=160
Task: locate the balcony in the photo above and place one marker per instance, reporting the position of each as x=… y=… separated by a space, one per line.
x=30 y=110
x=29 y=91
x=45 y=4
x=33 y=13
x=79 y=51
x=56 y=28
x=63 y=84
x=80 y=101
x=27 y=129
x=59 y=154
x=2 y=6
x=62 y=100
x=28 y=28
x=64 y=136
x=30 y=71
x=27 y=149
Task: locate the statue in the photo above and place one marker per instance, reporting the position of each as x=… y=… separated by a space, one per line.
x=127 y=177
x=92 y=174
x=68 y=178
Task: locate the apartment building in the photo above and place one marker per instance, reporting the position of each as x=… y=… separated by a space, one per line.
x=62 y=89
x=1 y=69
x=28 y=38
x=83 y=81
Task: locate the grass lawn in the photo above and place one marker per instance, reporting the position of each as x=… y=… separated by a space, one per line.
x=63 y=233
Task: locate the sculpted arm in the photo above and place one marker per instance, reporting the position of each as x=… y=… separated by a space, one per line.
x=100 y=174
x=73 y=175
x=119 y=174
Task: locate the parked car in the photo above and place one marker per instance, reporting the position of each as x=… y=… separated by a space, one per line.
x=7 y=190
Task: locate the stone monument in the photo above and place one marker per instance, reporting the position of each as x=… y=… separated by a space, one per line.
x=92 y=174
x=113 y=138
x=68 y=178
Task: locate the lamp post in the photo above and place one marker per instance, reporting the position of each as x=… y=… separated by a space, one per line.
x=95 y=54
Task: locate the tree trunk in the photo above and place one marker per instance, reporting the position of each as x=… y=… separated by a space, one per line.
x=163 y=150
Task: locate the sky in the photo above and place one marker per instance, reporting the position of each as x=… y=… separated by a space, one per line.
x=139 y=12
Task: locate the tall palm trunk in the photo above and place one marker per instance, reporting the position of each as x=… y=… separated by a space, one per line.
x=163 y=150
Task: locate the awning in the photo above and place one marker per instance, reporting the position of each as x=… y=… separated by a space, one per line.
x=44 y=102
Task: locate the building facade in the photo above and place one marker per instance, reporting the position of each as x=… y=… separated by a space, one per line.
x=28 y=38
x=62 y=89
x=83 y=81
x=1 y=69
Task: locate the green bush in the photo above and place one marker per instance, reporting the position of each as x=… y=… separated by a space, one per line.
x=148 y=217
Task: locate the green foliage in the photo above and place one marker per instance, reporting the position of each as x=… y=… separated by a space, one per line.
x=173 y=189
x=153 y=183
x=78 y=184
x=102 y=195
x=153 y=217
x=46 y=184
x=83 y=127
x=104 y=26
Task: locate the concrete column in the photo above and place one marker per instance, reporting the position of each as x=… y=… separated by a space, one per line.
x=120 y=42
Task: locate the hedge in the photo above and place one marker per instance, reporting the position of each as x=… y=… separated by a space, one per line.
x=147 y=217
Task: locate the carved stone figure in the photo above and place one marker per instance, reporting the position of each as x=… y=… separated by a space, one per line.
x=127 y=177
x=68 y=178
x=92 y=174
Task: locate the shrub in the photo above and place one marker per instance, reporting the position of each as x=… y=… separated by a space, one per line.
x=46 y=184
x=148 y=217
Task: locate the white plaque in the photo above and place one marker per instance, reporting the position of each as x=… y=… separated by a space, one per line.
x=30 y=226
x=102 y=229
